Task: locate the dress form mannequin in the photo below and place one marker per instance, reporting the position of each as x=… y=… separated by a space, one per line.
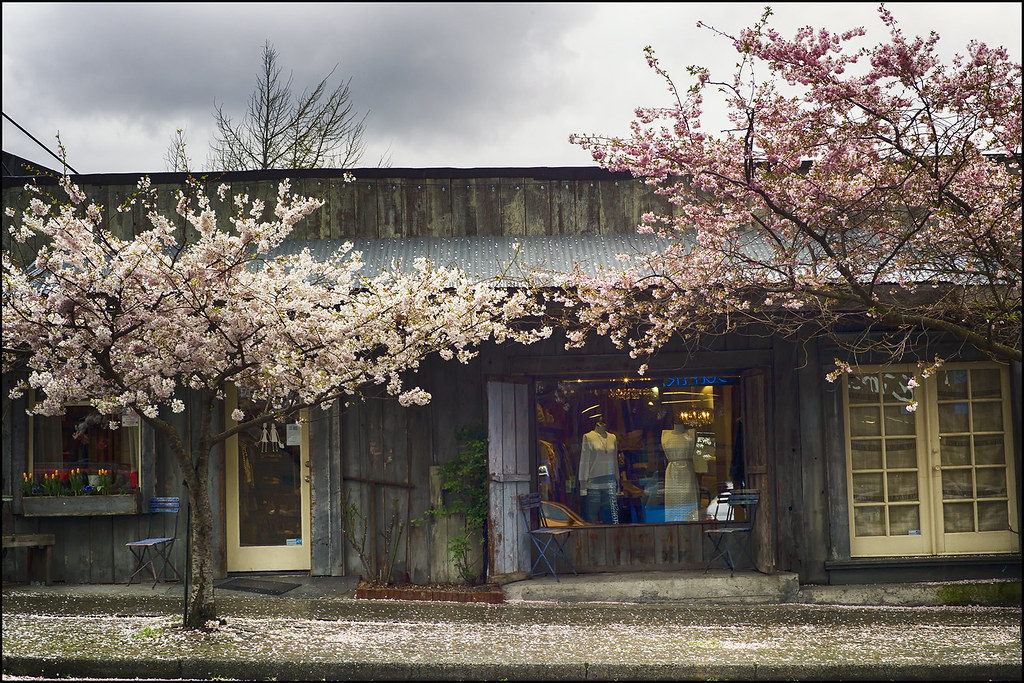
x=681 y=494
x=599 y=475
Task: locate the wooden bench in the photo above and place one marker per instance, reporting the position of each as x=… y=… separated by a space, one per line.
x=42 y=541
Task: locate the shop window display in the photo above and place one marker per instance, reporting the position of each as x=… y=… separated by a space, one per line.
x=638 y=451
x=88 y=444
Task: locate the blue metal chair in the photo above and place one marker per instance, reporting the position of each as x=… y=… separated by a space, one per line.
x=549 y=541
x=721 y=536
x=149 y=551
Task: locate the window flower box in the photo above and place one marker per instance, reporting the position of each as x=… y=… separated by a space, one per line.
x=64 y=506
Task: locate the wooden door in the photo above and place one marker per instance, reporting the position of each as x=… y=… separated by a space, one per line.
x=508 y=448
x=757 y=455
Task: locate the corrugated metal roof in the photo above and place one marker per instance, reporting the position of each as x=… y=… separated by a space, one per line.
x=485 y=257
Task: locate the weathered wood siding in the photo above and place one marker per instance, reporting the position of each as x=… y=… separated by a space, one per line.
x=391 y=203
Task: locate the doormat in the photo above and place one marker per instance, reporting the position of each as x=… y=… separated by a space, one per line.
x=254 y=586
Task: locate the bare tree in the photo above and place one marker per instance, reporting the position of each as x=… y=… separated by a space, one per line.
x=175 y=158
x=280 y=130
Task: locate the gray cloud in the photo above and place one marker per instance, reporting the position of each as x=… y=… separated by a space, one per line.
x=458 y=84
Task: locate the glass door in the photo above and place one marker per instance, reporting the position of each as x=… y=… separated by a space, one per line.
x=888 y=484
x=268 y=504
x=973 y=462
x=936 y=480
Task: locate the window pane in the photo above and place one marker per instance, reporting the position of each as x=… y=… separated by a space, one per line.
x=988 y=449
x=955 y=450
x=952 y=384
x=958 y=517
x=865 y=422
x=867 y=454
x=269 y=487
x=957 y=484
x=904 y=520
x=867 y=488
x=901 y=453
x=953 y=417
x=650 y=450
x=985 y=384
x=988 y=416
x=84 y=441
x=993 y=516
x=991 y=482
x=863 y=388
x=898 y=422
x=894 y=388
x=869 y=521
x=902 y=486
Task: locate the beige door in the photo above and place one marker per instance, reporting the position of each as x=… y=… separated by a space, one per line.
x=939 y=480
x=267 y=496
x=971 y=460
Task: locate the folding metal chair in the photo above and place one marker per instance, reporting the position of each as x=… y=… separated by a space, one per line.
x=549 y=541
x=149 y=551
x=721 y=536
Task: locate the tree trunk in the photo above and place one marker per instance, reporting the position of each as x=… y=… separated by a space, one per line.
x=199 y=604
x=200 y=572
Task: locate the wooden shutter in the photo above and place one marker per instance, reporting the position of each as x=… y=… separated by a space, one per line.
x=508 y=448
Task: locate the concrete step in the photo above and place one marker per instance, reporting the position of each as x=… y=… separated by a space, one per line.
x=716 y=586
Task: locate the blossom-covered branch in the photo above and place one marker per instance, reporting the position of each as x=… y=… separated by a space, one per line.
x=873 y=190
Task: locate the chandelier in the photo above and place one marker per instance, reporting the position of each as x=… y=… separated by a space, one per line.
x=696 y=417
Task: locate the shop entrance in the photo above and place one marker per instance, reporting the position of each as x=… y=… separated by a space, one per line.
x=267 y=496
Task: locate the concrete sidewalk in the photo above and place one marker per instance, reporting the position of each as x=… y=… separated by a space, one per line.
x=642 y=626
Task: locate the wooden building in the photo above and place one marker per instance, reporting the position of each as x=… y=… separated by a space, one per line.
x=853 y=489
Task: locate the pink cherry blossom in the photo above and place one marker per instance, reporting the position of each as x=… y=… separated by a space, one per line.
x=868 y=186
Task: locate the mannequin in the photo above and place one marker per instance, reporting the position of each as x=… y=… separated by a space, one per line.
x=681 y=494
x=599 y=475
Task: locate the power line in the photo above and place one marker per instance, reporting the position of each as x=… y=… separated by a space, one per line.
x=66 y=164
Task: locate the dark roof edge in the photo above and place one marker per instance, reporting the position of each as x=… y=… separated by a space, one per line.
x=534 y=173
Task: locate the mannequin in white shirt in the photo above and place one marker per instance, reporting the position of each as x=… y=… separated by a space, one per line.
x=681 y=494
x=599 y=475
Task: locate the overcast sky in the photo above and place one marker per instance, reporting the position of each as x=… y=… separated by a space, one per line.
x=446 y=85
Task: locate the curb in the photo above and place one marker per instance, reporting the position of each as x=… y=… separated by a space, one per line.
x=287 y=670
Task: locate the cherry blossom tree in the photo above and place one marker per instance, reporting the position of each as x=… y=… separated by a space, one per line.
x=870 y=194
x=133 y=325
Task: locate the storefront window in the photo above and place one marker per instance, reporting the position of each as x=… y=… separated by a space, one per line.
x=637 y=451
x=101 y=450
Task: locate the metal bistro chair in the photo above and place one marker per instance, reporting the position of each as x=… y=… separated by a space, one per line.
x=549 y=541
x=156 y=548
x=746 y=500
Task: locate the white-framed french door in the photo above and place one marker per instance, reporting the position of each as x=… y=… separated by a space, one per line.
x=267 y=495
x=938 y=480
